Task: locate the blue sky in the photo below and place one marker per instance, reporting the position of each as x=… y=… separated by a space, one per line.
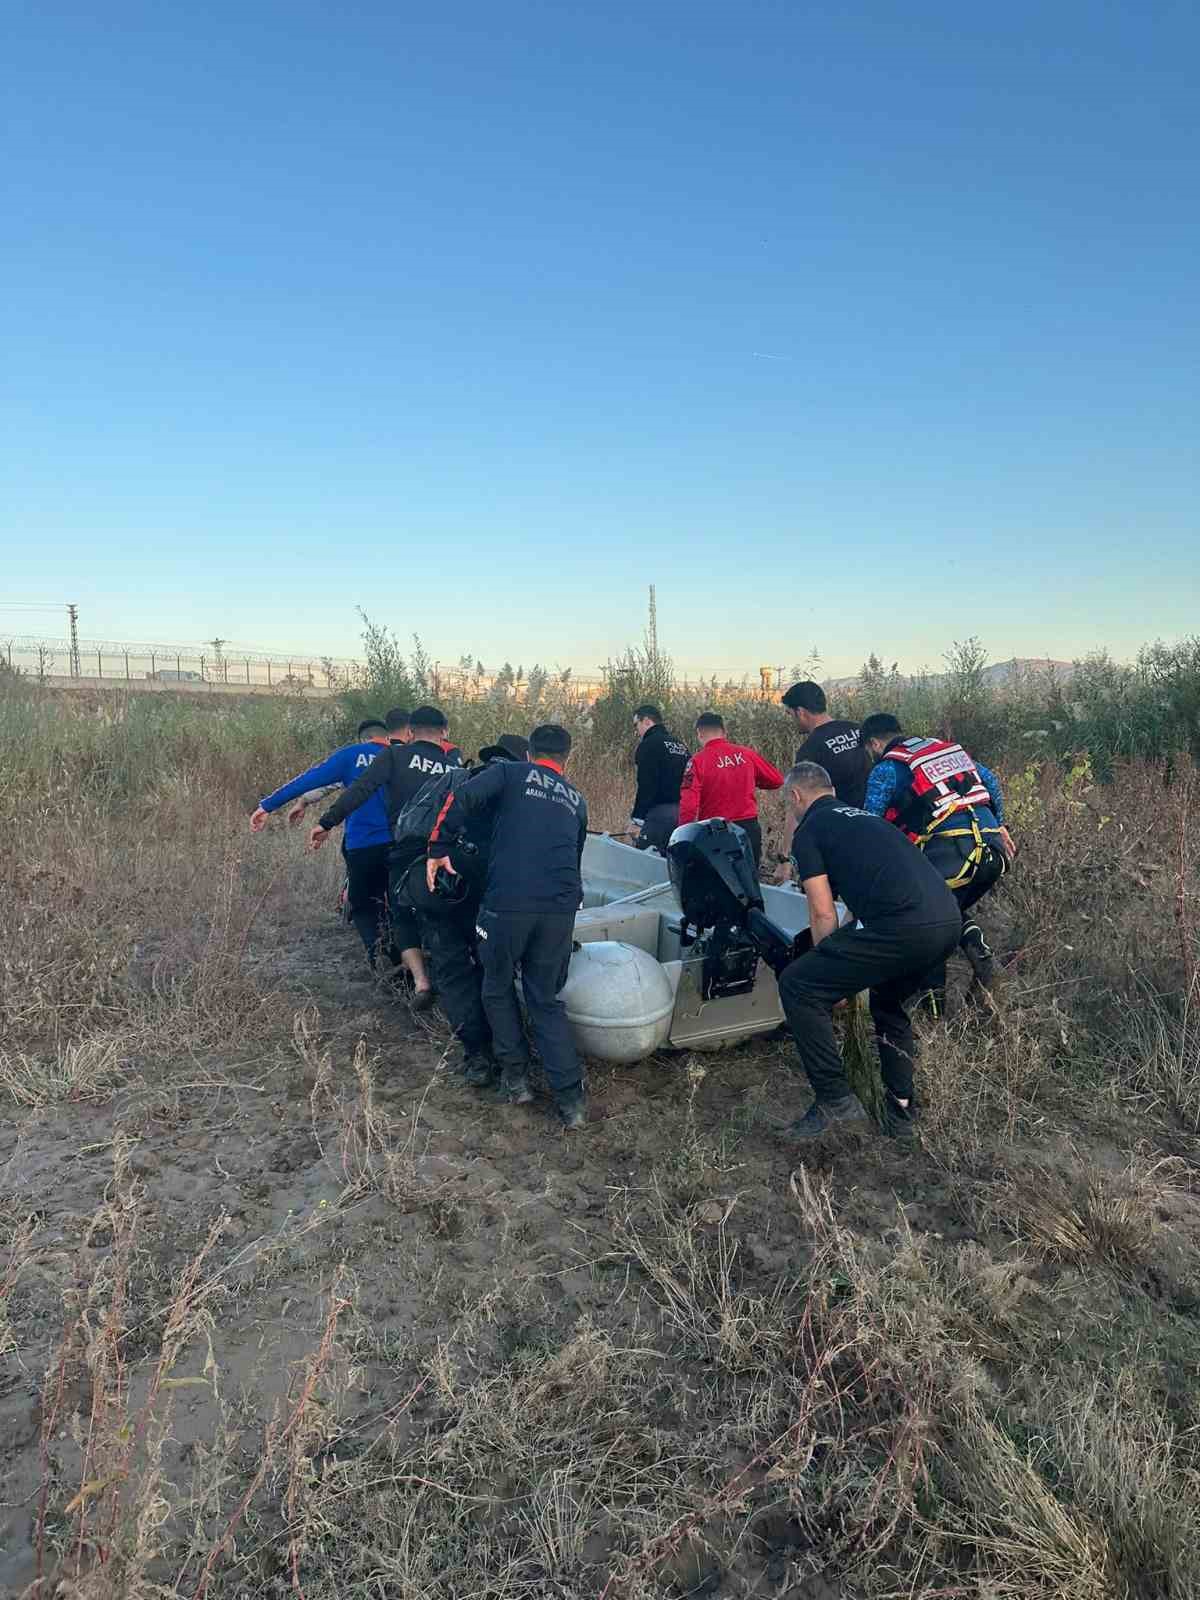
x=850 y=328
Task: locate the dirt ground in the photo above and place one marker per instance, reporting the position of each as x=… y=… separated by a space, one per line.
x=436 y=1346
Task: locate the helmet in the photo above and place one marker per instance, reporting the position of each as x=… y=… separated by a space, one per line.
x=712 y=870
x=451 y=886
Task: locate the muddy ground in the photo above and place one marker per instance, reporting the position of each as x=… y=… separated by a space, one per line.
x=471 y=1246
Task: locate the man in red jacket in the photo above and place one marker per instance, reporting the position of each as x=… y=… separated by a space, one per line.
x=721 y=778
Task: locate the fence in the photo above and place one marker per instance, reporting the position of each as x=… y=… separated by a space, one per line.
x=229 y=671
x=180 y=667
x=169 y=666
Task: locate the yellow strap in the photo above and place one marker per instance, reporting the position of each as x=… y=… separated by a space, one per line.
x=971 y=862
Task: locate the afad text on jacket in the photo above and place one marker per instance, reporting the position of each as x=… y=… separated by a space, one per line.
x=538 y=831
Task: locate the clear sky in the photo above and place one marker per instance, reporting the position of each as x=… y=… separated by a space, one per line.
x=854 y=327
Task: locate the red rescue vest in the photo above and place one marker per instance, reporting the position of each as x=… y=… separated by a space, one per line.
x=944 y=780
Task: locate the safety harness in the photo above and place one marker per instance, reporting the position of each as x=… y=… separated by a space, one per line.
x=945 y=784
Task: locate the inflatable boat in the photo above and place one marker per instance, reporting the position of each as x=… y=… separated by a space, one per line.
x=644 y=976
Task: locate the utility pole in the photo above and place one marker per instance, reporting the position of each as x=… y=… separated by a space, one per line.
x=652 y=629
x=73 y=623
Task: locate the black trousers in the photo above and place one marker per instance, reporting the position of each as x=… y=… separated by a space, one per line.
x=367 y=893
x=660 y=824
x=538 y=945
x=448 y=934
x=948 y=855
x=402 y=916
x=752 y=828
x=892 y=963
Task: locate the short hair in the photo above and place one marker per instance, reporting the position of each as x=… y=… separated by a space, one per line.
x=429 y=719
x=397 y=720
x=648 y=712
x=807 y=696
x=809 y=778
x=369 y=723
x=551 y=739
x=880 y=725
x=710 y=719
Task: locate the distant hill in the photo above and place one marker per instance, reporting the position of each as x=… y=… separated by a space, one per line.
x=998 y=674
x=1005 y=671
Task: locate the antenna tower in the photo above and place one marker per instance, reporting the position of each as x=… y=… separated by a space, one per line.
x=73 y=625
x=652 y=628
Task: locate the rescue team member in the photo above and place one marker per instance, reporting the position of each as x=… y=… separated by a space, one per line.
x=447 y=913
x=836 y=746
x=951 y=807
x=910 y=921
x=396 y=722
x=368 y=835
x=720 y=781
x=527 y=921
x=398 y=774
x=660 y=759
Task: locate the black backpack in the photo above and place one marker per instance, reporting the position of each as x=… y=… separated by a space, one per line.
x=419 y=817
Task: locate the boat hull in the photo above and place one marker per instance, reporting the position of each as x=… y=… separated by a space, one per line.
x=629 y=900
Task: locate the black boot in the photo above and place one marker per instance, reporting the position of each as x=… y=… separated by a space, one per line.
x=823 y=1115
x=572 y=1107
x=979 y=953
x=900 y=1121
x=479 y=1070
x=514 y=1087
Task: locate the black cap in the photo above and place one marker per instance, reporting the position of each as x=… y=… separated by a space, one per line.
x=368 y=723
x=508 y=747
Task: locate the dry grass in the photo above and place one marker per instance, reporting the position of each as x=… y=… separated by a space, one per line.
x=283 y=1311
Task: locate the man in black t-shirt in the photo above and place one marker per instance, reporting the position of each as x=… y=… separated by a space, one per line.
x=661 y=759
x=910 y=921
x=402 y=770
x=836 y=746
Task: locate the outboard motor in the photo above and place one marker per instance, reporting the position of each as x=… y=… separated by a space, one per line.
x=712 y=871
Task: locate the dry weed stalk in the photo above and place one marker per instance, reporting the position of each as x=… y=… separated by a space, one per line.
x=360 y=1141
x=122 y=1499
x=20 y=1255
x=77 y=1069
x=1073 y=1214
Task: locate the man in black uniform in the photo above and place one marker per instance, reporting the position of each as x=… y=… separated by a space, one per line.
x=661 y=759
x=836 y=746
x=527 y=921
x=403 y=768
x=448 y=912
x=910 y=922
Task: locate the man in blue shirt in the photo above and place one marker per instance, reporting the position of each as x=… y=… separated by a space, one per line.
x=366 y=842
x=952 y=808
